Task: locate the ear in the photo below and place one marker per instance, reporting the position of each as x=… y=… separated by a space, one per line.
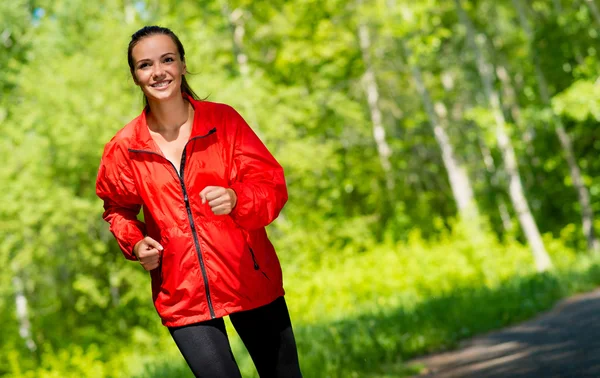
x=184 y=69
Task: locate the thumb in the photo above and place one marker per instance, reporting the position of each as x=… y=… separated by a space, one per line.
x=153 y=243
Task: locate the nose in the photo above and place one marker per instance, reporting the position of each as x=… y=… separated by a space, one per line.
x=158 y=70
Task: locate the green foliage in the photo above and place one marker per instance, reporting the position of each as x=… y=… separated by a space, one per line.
x=580 y=101
x=364 y=315
x=373 y=275
x=15 y=19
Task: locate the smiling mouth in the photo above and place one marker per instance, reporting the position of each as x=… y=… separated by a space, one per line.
x=161 y=84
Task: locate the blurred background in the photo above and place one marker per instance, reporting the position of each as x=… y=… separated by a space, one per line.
x=441 y=158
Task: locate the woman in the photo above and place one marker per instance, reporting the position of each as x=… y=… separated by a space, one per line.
x=208 y=187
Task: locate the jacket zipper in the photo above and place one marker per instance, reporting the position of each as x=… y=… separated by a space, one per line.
x=180 y=175
x=256 y=266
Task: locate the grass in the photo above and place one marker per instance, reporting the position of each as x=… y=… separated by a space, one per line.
x=377 y=344
x=364 y=316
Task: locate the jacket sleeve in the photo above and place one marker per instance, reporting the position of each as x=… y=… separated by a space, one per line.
x=122 y=204
x=256 y=178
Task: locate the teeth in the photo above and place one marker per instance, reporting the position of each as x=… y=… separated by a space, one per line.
x=161 y=84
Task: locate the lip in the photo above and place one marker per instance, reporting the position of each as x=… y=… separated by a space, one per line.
x=163 y=87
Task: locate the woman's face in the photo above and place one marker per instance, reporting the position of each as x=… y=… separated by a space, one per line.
x=157 y=67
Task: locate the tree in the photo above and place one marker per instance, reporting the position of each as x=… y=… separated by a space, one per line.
x=587 y=213
x=457 y=174
x=372 y=93
x=517 y=195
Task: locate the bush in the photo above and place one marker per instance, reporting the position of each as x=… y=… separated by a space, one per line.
x=361 y=314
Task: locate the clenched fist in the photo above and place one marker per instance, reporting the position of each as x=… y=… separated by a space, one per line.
x=220 y=200
x=148 y=252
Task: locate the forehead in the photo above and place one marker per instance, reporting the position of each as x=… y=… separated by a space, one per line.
x=153 y=46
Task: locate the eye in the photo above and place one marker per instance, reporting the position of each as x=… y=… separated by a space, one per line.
x=169 y=59
x=143 y=65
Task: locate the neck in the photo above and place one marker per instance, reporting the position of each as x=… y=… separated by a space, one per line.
x=168 y=115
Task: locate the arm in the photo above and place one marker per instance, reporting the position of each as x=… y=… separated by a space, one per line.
x=256 y=178
x=115 y=186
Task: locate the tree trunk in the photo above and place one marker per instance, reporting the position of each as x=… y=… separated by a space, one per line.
x=510 y=101
x=22 y=313
x=516 y=192
x=372 y=92
x=129 y=13
x=594 y=10
x=510 y=96
x=236 y=24
x=490 y=166
x=235 y=20
x=457 y=174
x=557 y=6
x=587 y=214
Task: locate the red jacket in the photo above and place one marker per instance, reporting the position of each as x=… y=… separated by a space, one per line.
x=211 y=265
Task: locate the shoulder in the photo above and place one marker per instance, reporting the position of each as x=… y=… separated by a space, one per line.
x=120 y=142
x=217 y=111
x=127 y=133
x=210 y=106
x=224 y=116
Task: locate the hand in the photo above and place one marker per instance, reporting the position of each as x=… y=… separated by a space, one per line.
x=221 y=200
x=148 y=252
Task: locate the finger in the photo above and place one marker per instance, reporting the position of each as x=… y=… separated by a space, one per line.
x=147 y=253
x=153 y=243
x=150 y=266
x=215 y=193
x=221 y=209
x=149 y=260
x=217 y=201
x=205 y=191
x=232 y=196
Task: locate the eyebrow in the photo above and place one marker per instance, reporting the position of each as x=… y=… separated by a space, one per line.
x=149 y=60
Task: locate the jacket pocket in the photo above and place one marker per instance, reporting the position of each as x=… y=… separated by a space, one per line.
x=256 y=266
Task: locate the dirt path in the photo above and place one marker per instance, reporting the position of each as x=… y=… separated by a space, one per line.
x=564 y=342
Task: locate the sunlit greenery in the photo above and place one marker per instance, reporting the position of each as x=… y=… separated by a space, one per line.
x=374 y=274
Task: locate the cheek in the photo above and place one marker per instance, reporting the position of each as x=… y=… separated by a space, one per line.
x=140 y=78
x=136 y=78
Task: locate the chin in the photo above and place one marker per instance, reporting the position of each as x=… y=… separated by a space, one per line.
x=162 y=96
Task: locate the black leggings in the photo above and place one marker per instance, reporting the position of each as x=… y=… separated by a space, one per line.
x=266 y=332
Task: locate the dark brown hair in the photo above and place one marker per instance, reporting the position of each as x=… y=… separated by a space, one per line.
x=148 y=31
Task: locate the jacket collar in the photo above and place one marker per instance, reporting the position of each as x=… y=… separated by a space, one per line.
x=142 y=140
